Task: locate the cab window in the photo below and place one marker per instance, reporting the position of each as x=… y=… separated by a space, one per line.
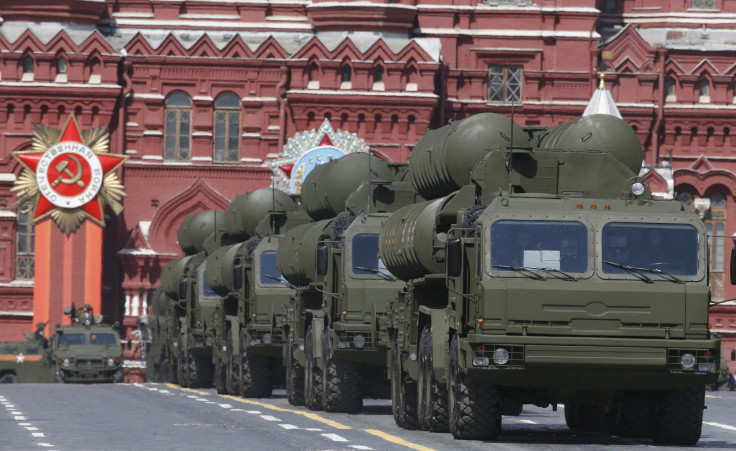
x=102 y=339
x=552 y=245
x=72 y=339
x=270 y=274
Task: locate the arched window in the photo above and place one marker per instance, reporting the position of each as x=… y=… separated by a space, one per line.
x=378 y=79
x=670 y=91
x=227 y=128
x=25 y=243
x=177 y=146
x=346 y=81
x=704 y=91
x=27 y=68
x=61 y=76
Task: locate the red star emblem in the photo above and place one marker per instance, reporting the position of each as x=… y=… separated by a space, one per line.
x=69 y=174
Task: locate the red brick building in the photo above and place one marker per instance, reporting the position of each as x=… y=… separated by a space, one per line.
x=199 y=94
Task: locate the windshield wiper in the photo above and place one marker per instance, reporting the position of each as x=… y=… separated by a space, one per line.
x=663 y=274
x=631 y=270
x=382 y=275
x=558 y=274
x=280 y=280
x=523 y=270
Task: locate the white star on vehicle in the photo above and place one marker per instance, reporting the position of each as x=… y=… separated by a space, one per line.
x=20 y=358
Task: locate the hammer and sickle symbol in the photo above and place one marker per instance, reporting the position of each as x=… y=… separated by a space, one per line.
x=63 y=168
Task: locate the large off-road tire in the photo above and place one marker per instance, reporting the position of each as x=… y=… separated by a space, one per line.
x=257 y=376
x=232 y=367
x=635 y=416
x=341 y=383
x=511 y=408
x=9 y=378
x=403 y=402
x=475 y=406
x=294 y=377
x=182 y=366
x=432 y=396
x=312 y=375
x=679 y=416
x=588 y=418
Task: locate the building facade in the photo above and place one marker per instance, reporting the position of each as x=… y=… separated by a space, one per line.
x=200 y=94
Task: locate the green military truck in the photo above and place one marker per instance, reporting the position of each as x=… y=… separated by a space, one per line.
x=86 y=351
x=26 y=361
x=189 y=319
x=543 y=281
x=248 y=341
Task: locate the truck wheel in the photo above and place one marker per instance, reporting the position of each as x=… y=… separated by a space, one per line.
x=201 y=371
x=588 y=418
x=512 y=408
x=294 y=379
x=475 y=406
x=403 y=402
x=341 y=383
x=256 y=376
x=9 y=378
x=432 y=396
x=679 y=416
x=312 y=376
x=634 y=419
x=183 y=366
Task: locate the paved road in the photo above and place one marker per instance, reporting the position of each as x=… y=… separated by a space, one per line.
x=158 y=416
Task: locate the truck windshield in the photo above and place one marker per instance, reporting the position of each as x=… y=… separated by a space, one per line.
x=270 y=273
x=365 y=256
x=102 y=339
x=669 y=248
x=551 y=245
x=206 y=288
x=72 y=339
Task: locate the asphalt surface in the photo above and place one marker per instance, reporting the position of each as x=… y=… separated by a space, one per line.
x=160 y=416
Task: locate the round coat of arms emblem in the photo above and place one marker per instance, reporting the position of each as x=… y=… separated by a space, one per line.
x=69 y=174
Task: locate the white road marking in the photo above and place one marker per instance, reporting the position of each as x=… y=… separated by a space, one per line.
x=335 y=437
x=20 y=418
x=313 y=429
x=288 y=426
x=719 y=425
x=164 y=391
x=16 y=413
x=192 y=396
x=24 y=424
x=47 y=445
x=360 y=447
x=226 y=406
x=31 y=428
x=269 y=418
x=37 y=434
x=254 y=412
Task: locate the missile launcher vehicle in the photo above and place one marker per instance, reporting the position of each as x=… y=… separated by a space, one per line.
x=248 y=337
x=552 y=276
x=189 y=323
x=337 y=346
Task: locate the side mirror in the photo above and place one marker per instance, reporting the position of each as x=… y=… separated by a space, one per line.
x=454 y=257
x=182 y=289
x=733 y=266
x=321 y=259
x=238 y=276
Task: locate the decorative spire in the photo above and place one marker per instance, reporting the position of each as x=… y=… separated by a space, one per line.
x=602 y=83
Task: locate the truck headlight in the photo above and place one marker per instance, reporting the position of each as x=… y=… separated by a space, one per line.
x=267 y=339
x=707 y=367
x=66 y=363
x=359 y=341
x=500 y=356
x=110 y=363
x=687 y=361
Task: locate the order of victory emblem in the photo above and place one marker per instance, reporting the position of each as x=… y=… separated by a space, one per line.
x=69 y=176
